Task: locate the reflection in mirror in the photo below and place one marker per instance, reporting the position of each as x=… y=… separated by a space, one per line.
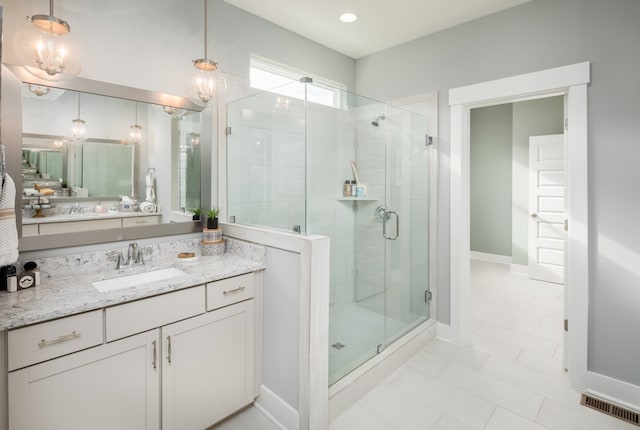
x=84 y=169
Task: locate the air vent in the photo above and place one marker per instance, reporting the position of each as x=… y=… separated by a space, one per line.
x=610 y=409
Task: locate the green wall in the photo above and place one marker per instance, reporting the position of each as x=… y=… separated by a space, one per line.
x=491 y=132
x=499 y=172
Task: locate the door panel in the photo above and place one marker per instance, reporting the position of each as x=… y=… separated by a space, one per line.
x=546 y=208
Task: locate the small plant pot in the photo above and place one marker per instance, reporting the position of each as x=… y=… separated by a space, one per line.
x=196 y=217
x=212 y=223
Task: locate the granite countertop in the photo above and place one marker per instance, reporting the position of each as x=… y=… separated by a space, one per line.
x=85 y=217
x=65 y=294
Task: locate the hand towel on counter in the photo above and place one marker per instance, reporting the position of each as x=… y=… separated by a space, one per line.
x=148 y=207
x=8 y=231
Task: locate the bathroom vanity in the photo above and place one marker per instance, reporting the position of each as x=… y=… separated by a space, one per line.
x=86 y=222
x=179 y=353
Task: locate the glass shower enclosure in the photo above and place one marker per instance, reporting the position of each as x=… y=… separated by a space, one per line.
x=292 y=155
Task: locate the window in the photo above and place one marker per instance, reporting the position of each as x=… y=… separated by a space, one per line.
x=269 y=76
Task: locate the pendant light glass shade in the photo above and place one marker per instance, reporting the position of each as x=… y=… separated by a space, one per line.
x=135 y=134
x=78 y=127
x=47 y=51
x=202 y=88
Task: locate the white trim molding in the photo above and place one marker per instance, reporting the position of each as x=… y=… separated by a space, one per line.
x=571 y=80
x=276 y=409
x=490 y=258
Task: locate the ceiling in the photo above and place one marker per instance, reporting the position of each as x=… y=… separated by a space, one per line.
x=381 y=24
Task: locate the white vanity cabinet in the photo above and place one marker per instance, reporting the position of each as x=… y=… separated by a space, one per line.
x=207 y=369
x=173 y=361
x=112 y=386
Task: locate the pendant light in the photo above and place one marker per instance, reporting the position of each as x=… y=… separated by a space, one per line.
x=203 y=85
x=48 y=52
x=78 y=127
x=135 y=135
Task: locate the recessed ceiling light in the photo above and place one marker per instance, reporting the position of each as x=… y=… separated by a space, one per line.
x=348 y=17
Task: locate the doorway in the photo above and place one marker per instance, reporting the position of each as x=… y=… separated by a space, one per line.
x=570 y=81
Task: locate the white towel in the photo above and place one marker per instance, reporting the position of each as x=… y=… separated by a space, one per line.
x=8 y=231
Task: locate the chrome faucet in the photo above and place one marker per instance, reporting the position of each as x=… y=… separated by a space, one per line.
x=75 y=209
x=134 y=256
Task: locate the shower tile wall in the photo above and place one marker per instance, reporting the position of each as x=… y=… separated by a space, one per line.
x=330 y=141
x=267 y=173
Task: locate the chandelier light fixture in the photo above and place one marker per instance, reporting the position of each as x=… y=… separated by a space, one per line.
x=78 y=127
x=49 y=53
x=203 y=85
x=39 y=90
x=169 y=110
x=135 y=135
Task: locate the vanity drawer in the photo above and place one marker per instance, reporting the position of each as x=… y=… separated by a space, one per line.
x=75 y=226
x=229 y=291
x=146 y=314
x=44 y=341
x=140 y=220
x=29 y=229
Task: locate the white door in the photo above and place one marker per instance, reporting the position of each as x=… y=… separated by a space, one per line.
x=546 y=208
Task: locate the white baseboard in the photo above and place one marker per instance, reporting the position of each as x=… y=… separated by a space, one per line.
x=520 y=269
x=278 y=411
x=491 y=258
x=614 y=390
x=443 y=332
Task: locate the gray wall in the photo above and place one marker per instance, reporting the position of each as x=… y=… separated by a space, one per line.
x=538 y=35
x=530 y=118
x=490 y=133
x=500 y=172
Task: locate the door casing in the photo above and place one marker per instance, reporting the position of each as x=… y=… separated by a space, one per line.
x=571 y=81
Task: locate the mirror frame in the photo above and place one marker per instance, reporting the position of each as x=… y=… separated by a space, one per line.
x=12 y=79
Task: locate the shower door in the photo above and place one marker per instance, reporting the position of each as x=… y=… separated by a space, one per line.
x=405 y=223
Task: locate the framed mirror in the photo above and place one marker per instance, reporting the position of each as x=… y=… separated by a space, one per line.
x=100 y=162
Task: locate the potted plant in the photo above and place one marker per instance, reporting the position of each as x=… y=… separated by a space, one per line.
x=212 y=218
x=196 y=213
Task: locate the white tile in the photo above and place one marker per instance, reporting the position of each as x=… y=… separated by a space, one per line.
x=467 y=408
x=501 y=393
x=506 y=420
x=522 y=340
x=531 y=380
x=500 y=349
x=252 y=418
x=358 y=418
x=554 y=334
x=400 y=409
x=448 y=423
x=542 y=363
x=428 y=363
x=247 y=419
x=467 y=356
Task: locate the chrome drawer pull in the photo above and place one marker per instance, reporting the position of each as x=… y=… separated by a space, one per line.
x=235 y=290
x=59 y=339
x=155 y=354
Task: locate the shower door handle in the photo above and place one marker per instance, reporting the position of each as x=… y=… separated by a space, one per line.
x=384 y=224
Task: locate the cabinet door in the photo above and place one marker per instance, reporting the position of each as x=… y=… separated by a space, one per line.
x=208 y=367
x=112 y=386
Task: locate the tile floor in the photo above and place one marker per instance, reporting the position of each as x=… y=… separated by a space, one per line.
x=510 y=378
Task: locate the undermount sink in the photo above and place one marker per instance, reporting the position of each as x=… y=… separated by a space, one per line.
x=137 y=279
